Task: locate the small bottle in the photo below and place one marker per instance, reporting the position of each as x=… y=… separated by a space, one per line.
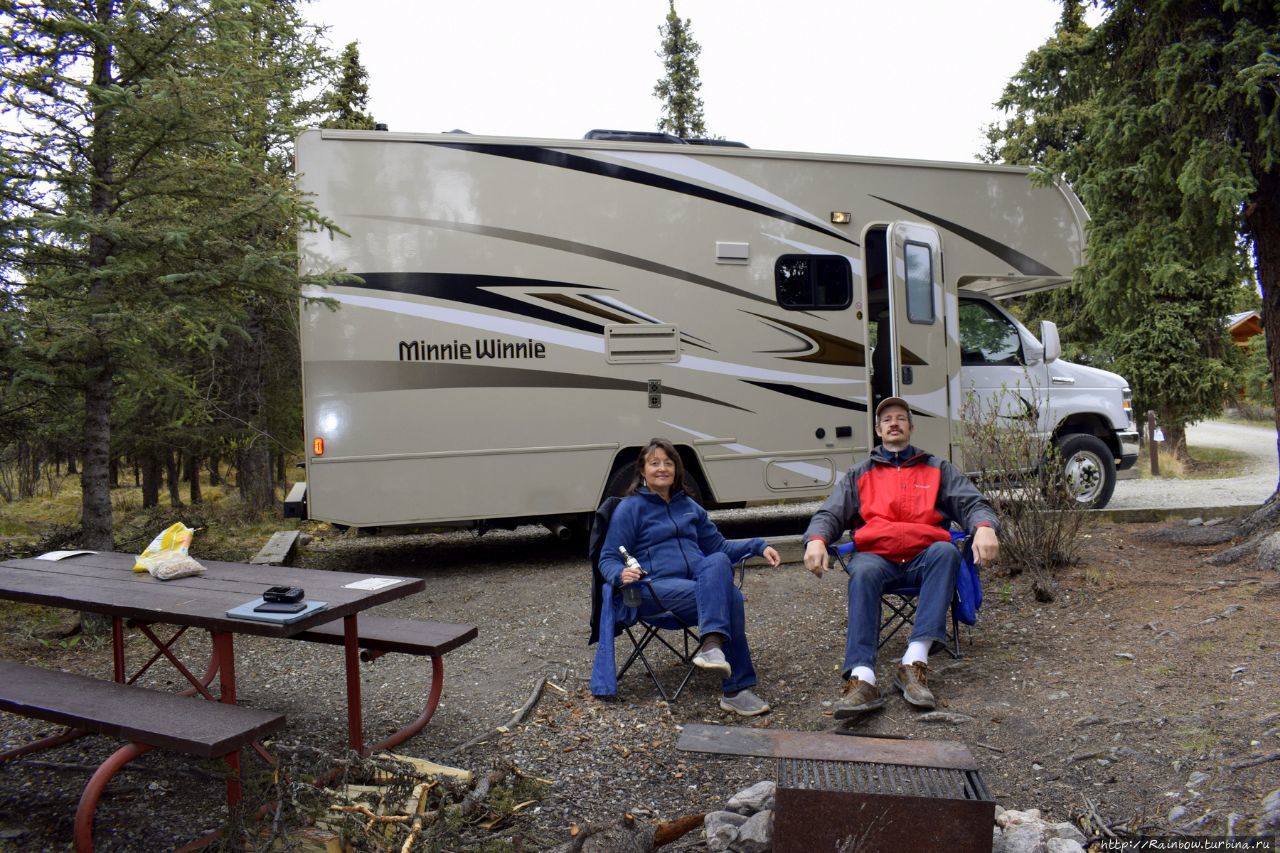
x=630 y=591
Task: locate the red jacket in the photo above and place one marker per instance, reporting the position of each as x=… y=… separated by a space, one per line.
x=897 y=505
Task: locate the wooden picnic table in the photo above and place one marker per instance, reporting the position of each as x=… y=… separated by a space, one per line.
x=103 y=583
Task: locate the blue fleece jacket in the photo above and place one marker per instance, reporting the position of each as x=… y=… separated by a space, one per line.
x=668 y=539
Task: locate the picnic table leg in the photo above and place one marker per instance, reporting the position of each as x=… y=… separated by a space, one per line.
x=433 y=700
x=117 y=646
x=351 y=647
x=224 y=651
x=92 y=791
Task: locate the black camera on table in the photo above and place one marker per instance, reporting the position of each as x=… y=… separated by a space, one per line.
x=283 y=594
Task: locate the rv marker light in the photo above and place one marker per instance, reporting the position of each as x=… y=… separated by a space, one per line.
x=841 y=217
x=317 y=446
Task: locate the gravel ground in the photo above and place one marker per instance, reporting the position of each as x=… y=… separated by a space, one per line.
x=529 y=596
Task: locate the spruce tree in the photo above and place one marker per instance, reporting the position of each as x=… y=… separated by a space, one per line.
x=1165 y=119
x=347 y=102
x=678 y=88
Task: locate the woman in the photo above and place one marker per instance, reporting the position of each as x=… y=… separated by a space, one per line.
x=689 y=566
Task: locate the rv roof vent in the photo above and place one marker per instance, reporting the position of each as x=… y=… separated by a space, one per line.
x=633 y=136
x=728 y=143
x=379 y=126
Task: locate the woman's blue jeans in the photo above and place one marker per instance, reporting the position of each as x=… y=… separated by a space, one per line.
x=714 y=604
x=933 y=571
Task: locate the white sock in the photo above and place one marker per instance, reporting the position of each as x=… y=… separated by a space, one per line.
x=863 y=673
x=917 y=650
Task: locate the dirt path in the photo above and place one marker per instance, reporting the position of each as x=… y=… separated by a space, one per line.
x=1251 y=488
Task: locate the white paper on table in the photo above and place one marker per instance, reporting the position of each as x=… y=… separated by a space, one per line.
x=62 y=555
x=372 y=583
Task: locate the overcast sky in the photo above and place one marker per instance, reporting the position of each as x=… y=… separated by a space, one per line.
x=903 y=78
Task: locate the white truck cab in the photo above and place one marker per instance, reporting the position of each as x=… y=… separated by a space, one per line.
x=1086 y=412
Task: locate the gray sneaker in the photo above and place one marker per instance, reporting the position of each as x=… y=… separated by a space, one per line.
x=713 y=659
x=744 y=704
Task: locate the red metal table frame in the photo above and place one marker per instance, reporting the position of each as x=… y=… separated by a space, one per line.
x=104 y=583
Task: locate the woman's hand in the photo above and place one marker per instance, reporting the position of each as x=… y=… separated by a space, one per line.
x=770 y=554
x=631 y=575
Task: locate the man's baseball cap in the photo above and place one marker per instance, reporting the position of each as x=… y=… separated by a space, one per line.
x=892 y=401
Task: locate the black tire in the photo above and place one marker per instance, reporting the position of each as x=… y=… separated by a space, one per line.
x=619 y=481
x=1090 y=469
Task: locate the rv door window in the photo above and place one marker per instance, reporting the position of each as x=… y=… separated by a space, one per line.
x=813 y=282
x=987 y=337
x=919 y=269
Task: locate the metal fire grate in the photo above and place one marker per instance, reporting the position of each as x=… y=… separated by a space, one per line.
x=872 y=778
x=844 y=793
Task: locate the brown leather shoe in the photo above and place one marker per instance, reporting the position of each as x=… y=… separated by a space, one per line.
x=857 y=698
x=913 y=681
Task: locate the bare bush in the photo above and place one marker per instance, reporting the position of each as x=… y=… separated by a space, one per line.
x=1021 y=473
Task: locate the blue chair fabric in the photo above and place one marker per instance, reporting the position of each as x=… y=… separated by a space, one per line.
x=898 y=605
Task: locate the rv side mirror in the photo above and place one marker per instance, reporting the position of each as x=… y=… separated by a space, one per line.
x=1052 y=344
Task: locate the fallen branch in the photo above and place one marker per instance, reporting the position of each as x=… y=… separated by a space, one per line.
x=988 y=746
x=1256 y=760
x=520 y=716
x=1097 y=818
x=670 y=830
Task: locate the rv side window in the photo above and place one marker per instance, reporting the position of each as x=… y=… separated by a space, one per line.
x=813 y=282
x=919 y=269
x=987 y=337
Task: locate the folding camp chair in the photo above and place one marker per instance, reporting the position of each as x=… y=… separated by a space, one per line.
x=898 y=605
x=640 y=632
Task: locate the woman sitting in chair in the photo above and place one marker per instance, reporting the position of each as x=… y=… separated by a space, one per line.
x=688 y=566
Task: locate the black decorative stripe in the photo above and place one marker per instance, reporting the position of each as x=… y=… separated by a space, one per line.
x=564 y=160
x=576 y=248
x=1020 y=262
x=811 y=396
x=470 y=290
x=332 y=378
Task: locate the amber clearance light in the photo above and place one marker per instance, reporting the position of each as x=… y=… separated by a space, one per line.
x=317 y=446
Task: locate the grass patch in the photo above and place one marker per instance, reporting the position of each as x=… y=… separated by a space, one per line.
x=1197 y=740
x=1206 y=463
x=227 y=530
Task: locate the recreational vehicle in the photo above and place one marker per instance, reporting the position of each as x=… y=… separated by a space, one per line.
x=521 y=315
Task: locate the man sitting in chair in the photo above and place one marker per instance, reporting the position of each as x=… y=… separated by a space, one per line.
x=898 y=504
x=688 y=565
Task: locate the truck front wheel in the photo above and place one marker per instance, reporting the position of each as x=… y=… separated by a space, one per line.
x=1090 y=469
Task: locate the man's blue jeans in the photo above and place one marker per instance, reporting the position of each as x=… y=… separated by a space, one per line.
x=714 y=604
x=870 y=575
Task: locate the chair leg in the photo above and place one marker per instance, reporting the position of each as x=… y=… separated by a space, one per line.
x=650 y=633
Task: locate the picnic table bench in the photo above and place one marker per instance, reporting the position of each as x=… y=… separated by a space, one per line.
x=148 y=719
x=380 y=635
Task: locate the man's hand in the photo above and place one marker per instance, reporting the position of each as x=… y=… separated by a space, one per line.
x=815 y=557
x=986 y=546
x=772 y=556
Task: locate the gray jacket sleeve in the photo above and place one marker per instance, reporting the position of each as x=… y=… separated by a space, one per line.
x=838 y=511
x=960 y=500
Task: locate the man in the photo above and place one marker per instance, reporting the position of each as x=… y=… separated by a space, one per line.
x=898 y=503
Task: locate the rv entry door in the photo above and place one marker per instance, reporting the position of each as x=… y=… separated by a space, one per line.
x=918 y=339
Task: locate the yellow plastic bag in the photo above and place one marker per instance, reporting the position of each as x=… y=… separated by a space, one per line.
x=173 y=542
